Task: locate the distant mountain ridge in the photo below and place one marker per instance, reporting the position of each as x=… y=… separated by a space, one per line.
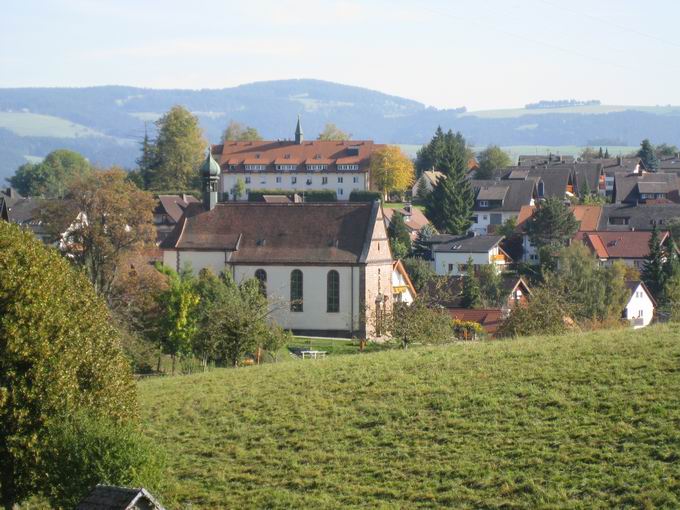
x=106 y=123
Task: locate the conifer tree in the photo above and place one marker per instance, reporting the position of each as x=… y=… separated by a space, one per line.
x=653 y=273
x=421 y=248
x=400 y=240
x=600 y=155
x=449 y=207
x=472 y=296
x=147 y=160
x=606 y=153
x=648 y=156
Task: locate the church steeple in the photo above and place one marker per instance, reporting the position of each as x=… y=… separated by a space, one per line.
x=210 y=174
x=299 y=137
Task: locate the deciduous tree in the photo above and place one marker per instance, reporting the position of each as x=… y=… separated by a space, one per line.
x=59 y=353
x=419 y=271
x=391 y=170
x=331 y=132
x=103 y=218
x=237 y=132
x=490 y=159
x=51 y=177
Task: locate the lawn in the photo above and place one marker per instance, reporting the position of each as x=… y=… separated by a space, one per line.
x=580 y=421
x=33 y=124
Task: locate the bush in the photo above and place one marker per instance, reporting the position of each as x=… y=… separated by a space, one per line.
x=59 y=353
x=83 y=451
x=364 y=196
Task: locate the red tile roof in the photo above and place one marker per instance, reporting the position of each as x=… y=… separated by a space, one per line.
x=619 y=245
x=588 y=216
x=490 y=318
x=317 y=152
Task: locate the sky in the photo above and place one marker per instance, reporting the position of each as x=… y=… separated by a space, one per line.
x=482 y=54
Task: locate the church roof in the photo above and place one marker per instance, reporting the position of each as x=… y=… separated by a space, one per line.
x=265 y=233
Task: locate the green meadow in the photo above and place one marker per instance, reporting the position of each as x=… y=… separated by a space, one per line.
x=578 y=421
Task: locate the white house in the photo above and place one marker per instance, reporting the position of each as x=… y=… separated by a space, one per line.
x=498 y=201
x=402 y=287
x=640 y=307
x=451 y=253
x=325 y=267
x=295 y=165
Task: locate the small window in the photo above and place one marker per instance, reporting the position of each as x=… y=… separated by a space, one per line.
x=483 y=203
x=293 y=180
x=296 y=295
x=355 y=180
x=247 y=180
x=333 y=292
x=450 y=268
x=278 y=180
x=261 y=276
x=339 y=180
x=340 y=191
x=324 y=180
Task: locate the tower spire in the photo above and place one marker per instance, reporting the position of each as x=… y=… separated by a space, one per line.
x=299 y=137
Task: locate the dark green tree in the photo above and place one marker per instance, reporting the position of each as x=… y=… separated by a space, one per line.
x=421 y=247
x=59 y=354
x=429 y=156
x=147 y=161
x=449 y=207
x=492 y=291
x=606 y=153
x=653 y=271
x=400 y=239
x=666 y=150
x=648 y=156
x=552 y=224
x=600 y=154
x=420 y=271
x=471 y=296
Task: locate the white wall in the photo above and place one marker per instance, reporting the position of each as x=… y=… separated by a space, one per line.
x=480 y=227
x=314 y=314
x=443 y=259
x=640 y=306
x=267 y=181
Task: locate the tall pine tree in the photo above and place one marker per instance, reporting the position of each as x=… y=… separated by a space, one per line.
x=421 y=248
x=449 y=206
x=653 y=273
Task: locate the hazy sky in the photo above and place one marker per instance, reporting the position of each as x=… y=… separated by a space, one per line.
x=476 y=53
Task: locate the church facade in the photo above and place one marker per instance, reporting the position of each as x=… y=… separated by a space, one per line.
x=326 y=268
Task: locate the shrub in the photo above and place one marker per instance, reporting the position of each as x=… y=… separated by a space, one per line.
x=83 y=451
x=364 y=196
x=59 y=353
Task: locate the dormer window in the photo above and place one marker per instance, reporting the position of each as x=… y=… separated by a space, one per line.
x=317 y=167
x=483 y=203
x=348 y=167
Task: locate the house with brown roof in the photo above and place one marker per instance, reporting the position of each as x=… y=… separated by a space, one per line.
x=629 y=247
x=168 y=211
x=646 y=188
x=414 y=219
x=325 y=267
x=588 y=217
x=451 y=254
x=295 y=165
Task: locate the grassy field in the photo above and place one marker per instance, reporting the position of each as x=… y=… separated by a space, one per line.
x=33 y=124
x=506 y=113
x=582 y=421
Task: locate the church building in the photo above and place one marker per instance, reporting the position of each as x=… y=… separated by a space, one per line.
x=326 y=268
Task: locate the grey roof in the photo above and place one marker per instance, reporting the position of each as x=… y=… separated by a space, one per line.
x=626 y=186
x=467 y=244
x=554 y=178
x=586 y=176
x=640 y=217
x=105 y=497
x=174 y=205
x=546 y=159
x=517 y=194
x=495 y=192
x=519 y=174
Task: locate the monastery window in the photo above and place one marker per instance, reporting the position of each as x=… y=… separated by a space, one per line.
x=296 y=296
x=247 y=180
x=278 y=180
x=324 y=180
x=339 y=180
x=293 y=180
x=261 y=277
x=355 y=180
x=340 y=191
x=333 y=292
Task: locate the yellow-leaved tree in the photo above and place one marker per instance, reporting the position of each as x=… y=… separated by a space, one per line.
x=391 y=171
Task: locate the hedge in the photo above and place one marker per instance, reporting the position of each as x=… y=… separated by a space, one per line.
x=364 y=196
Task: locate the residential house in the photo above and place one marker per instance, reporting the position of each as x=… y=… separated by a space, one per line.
x=23 y=211
x=106 y=497
x=450 y=254
x=447 y=292
x=587 y=216
x=426 y=182
x=629 y=247
x=168 y=211
x=611 y=167
x=325 y=267
x=646 y=188
x=414 y=219
x=544 y=160
x=622 y=217
x=496 y=201
x=670 y=164
x=295 y=165
x=403 y=290
x=640 y=307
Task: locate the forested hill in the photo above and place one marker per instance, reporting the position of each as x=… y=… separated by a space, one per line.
x=106 y=123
